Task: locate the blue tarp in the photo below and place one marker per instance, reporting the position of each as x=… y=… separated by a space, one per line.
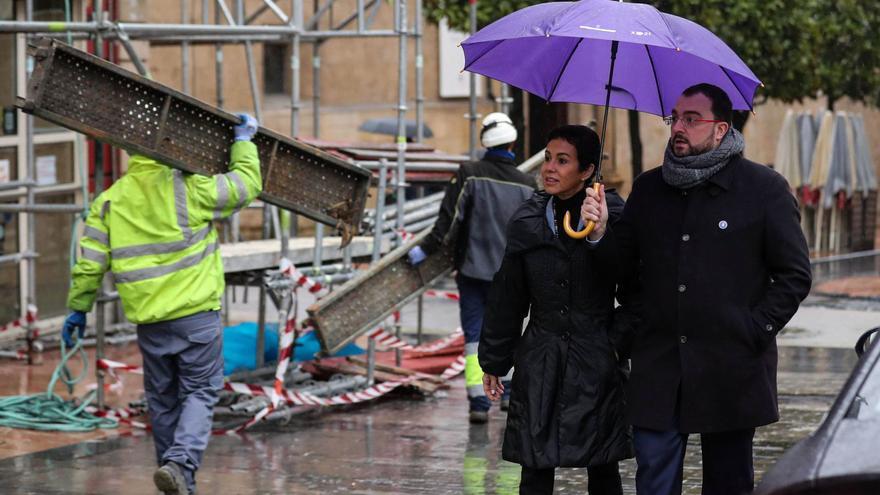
x=240 y=342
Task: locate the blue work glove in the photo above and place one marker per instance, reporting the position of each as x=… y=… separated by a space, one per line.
x=76 y=321
x=416 y=256
x=247 y=128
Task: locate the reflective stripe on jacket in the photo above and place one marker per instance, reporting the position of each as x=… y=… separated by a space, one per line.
x=153 y=230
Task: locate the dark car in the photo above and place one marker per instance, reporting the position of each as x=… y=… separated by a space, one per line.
x=843 y=456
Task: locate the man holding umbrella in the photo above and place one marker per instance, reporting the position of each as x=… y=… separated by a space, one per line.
x=713 y=240
x=715 y=243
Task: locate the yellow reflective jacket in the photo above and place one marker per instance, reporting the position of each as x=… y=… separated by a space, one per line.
x=153 y=230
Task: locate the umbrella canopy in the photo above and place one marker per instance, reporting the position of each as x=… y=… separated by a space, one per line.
x=388 y=125
x=560 y=51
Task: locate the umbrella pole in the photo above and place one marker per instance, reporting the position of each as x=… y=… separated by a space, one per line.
x=566 y=224
x=607 y=105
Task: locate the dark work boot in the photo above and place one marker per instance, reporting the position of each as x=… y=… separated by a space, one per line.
x=169 y=479
x=478 y=409
x=478 y=417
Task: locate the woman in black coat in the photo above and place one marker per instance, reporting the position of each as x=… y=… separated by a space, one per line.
x=567 y=402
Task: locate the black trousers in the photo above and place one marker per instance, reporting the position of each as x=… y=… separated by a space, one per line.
x=727 y=462
x=601 y=480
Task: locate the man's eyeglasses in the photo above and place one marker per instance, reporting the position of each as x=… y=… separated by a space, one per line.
x=687 y=122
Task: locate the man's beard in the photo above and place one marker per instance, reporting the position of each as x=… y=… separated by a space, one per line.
x=694 y=149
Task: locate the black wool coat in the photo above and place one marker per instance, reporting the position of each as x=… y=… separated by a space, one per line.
x=567 y=397
x=721 y=268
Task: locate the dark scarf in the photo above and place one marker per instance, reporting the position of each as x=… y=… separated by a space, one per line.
x=571 y=205
x=685 y=172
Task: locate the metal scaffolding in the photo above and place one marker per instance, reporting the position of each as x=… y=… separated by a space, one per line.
x=230 y=26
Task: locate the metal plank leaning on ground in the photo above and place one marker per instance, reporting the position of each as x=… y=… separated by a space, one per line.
x=364 y=301
x=87 y=94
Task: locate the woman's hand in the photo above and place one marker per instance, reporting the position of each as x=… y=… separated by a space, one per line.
x=596 y=210
x=492 y=386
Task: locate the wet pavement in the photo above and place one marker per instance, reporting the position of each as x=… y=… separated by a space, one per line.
x=402 y=444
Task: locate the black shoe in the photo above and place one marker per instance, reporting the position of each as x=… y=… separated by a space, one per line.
x=169 y=480
x=478 y=417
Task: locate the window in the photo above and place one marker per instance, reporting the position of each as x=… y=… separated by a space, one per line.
x=7 y=11
x=276 y=71
x=8 y=165
x=49 y=10
x=54 y=163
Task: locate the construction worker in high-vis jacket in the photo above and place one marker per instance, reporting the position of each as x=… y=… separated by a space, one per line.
x=153 y=231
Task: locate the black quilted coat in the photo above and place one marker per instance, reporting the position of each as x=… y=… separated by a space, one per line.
x=567 y=400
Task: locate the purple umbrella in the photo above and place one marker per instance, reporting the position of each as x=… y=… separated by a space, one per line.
x=560 y=52
x=566 y=51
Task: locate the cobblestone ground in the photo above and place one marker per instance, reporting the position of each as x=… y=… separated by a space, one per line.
x=402 y=445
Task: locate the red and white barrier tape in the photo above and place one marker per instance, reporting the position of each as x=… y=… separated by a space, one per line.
x=18 y=354
x=122 y=415
x=294 y=398
x=443 y=294
x=29 y=318
x=251 y=422
x=404 y=235
x=285 y=354
x=390 y=341
x=455 y=369
x=313 y=286
x=113 y=366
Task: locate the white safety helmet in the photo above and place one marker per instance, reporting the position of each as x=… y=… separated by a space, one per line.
x=498 y=129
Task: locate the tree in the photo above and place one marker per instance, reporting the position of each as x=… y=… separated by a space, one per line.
x=457 y=12
x=847 y=47
x=771 y=36
x=797 y=48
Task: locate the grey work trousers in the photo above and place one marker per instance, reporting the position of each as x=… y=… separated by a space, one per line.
x=183 y=371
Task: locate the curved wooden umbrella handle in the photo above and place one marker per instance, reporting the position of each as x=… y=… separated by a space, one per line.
x=571 y=232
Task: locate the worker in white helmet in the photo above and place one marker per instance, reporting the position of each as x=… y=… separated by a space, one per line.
x=479 y=200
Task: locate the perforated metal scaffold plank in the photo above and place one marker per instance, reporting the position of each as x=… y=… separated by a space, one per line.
x=84 y=93
x=364 y=301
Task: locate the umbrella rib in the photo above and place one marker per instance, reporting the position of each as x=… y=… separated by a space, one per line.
x=668 y=27
x=656 y=80
x=498 y=42
x=724 y=70
x=564 y=66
